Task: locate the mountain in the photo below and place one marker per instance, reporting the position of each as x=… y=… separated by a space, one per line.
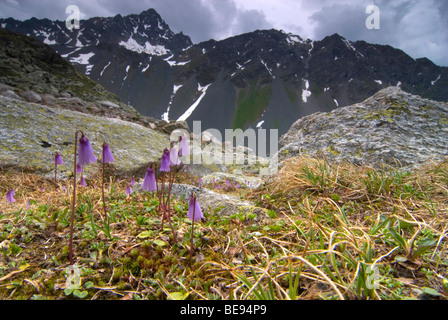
x=44 y=100
x=32 y=71
x=391 y=127
x=265 y=78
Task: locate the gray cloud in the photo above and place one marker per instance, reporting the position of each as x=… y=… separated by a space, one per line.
x=418 y=27
x=200 y=19
x=414 y=26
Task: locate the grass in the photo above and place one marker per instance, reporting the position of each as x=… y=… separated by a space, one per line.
x=331 y=232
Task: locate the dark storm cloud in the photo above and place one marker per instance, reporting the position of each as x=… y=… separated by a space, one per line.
x=201 y=20
x=417 y=27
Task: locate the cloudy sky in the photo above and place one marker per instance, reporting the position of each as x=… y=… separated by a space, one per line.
x=418 y=27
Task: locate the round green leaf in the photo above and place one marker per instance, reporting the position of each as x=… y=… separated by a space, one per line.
x=80 y=294
x=144 y=234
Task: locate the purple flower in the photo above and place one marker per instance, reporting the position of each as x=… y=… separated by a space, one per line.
x=107 y=154
x=149 y=182
x=78 y=168
x=132 y=181
x=83 y=182
x=165 y=163
x=10 y=196
x=128 y=190
x=193 y=205
x=85 y=153
x=58 y=159
x=184 y=149
x=174 y=157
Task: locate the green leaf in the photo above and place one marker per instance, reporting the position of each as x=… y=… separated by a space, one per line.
x=179 y=295
x=88 y=284
x=80 y=294
x=68 y=291
x=430 y=291
x=401 y=259
x=423 y=246
x=400 y=240
x=159 y=243
x=145 y=234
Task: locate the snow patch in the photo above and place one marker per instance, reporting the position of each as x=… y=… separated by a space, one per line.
x=269 y=70
x=49 y=42
x=305 y=92
x=350 y=46
x=311 y=49
x=101 y=73
x=175 y=63
x=148 y=48
x=434 y=82
x=127 y=70
x=165 y=115
x=88 y=69
x=292 y=39
x=83 y=58
x=195 y=104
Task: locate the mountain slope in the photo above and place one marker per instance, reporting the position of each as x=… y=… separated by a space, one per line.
x=265 y=78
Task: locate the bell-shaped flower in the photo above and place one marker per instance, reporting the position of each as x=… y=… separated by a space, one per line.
x=174 y=157
x=107 y=154
x=194 y=209
x=58 y=159
x=165 y=163
x=78 y=168
x=83 y=182
x=85 y=153
x=132 y=181
x=184 y=149
x=10 y=196
x=149 y=182
x=128 y=190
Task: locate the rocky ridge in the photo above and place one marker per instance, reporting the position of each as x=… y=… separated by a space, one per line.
x=265 y=78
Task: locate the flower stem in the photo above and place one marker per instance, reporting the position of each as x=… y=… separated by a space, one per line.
x=72 y=219
x=55 y=172
x=192 y=229
x=104 y=201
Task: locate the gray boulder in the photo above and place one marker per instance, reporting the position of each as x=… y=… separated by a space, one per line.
x=32 y=96
x=392 y=127
x=31 y=133
x=11 y=94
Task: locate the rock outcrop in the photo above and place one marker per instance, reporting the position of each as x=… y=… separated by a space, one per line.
x=392 y=127
x=31 y=133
